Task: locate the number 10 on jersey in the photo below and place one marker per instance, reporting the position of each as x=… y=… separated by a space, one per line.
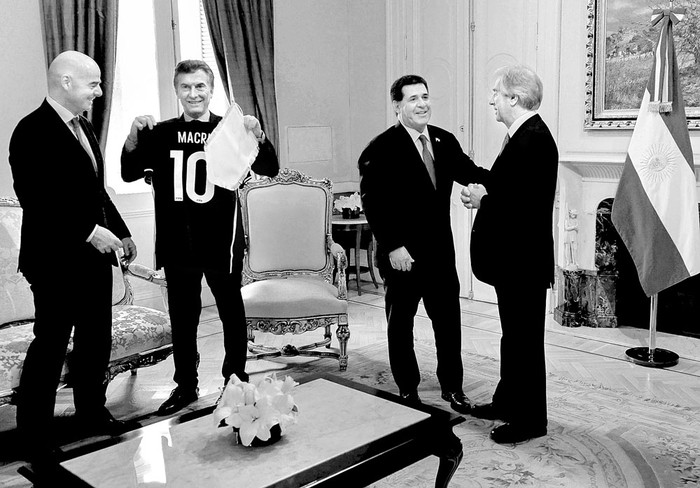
x=190 y=177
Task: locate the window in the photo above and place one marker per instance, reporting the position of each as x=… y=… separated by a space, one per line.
x=135 y=84
x=147 y=48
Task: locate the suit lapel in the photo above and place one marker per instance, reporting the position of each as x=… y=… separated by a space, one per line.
x=527 y=125
x=505 y=155
x=64 y=137
x=61 y=130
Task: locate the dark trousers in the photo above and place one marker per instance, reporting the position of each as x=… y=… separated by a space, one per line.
x=438 y=286
x=185 y=306
x=521 y=393
x=66 y=302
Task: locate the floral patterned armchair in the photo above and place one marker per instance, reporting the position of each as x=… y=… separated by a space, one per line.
x=288 y=265
x=140 y=335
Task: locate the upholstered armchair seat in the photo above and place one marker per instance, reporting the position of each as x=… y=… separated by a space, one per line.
x=287 y=268
x=140 y=335
x=292 y=298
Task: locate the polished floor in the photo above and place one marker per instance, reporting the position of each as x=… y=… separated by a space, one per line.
x=596 y=356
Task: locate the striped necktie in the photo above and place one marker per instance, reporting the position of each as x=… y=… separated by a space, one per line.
x=428 y=158
x=82 y=138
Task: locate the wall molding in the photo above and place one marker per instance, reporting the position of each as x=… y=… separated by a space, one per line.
x=596 y=171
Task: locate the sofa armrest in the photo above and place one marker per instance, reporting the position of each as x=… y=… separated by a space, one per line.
x=145 y=273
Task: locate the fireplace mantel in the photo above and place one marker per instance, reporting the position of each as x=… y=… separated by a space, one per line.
x=607 y=167
x=597 y=170
x=584 y=182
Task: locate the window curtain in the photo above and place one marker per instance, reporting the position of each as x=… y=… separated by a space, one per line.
x=90 y=27
x=242 y=36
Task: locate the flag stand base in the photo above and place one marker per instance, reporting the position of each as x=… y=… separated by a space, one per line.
x=654 y=358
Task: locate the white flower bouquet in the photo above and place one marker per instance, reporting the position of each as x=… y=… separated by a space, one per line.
x=352 y=202
x=350 y=206
x=257 y=410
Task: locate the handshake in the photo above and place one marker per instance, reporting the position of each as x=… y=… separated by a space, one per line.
x=472 y=194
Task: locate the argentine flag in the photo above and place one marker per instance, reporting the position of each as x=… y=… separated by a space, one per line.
x=656 y=205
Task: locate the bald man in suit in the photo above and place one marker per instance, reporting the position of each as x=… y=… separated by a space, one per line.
x=68 y=221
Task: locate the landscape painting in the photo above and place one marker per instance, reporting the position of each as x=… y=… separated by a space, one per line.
x=621 y=54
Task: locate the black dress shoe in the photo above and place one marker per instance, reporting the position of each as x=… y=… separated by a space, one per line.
x=410 y=397
x=458 y=401
x=178 y=399
x=486 y=411
x=43 y=468
x=513 y=433
x=100 y=423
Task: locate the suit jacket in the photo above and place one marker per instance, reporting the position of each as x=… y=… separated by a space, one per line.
x=512 y=230
x=62 y=196
x=401 y=204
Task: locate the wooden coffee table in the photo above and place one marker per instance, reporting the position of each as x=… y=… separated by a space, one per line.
x=347 y=434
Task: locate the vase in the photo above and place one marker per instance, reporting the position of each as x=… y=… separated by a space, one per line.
x=351 y=213
x=275 y=435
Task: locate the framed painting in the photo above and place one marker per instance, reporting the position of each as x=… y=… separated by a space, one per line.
x=620 y=55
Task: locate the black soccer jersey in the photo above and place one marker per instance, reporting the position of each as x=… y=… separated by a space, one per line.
x=198 y=224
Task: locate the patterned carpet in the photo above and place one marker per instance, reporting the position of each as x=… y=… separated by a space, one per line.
x=598 y=437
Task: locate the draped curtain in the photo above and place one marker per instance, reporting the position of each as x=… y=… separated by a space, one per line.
x=242 y=36
x=90 y=27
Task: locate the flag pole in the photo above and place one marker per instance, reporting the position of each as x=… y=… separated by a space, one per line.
x=652 y=356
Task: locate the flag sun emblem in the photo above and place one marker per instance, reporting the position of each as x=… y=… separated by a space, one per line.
x=658 y=163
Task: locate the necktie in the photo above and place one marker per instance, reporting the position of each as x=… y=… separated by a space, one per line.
x=428 y=158
x=75 y=125
x=505 y=141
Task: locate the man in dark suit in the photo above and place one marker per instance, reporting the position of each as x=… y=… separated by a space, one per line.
x=415 y=250
x=71 y=233
x=199 y=230
x=529 y=155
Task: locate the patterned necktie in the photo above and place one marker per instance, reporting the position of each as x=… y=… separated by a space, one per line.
x=428 y=158
x=75 y=125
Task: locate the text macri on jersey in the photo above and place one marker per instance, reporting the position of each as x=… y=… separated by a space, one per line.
x=188 y=137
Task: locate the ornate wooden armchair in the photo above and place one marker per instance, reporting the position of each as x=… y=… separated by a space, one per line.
x=288 y=266
x=140 y=335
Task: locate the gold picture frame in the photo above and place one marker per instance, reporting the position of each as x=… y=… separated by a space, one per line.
x=619 y=57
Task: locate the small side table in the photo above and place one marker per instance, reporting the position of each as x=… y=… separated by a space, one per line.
x=357 y=226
